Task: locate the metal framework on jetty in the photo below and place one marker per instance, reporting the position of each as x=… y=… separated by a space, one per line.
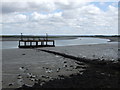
x=36 y=43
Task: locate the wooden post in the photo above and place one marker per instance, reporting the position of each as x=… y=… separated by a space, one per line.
x=46 y=43
x=41 y=42
x=46 y=39
x=36 y=43
x=46 y=36
x=21 y=36
x=30 y=43
x=53 y=43
x=25 y=43
x=19 y=43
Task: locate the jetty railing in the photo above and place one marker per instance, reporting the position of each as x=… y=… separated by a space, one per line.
x=28 y=43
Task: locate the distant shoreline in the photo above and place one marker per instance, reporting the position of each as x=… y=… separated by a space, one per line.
x=16 y=38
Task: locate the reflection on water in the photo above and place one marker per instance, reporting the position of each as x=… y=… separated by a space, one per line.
x=68 y=42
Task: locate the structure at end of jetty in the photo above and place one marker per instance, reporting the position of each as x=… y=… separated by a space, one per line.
x=35 y=43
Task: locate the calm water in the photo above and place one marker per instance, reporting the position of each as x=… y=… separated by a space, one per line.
x=68 y=42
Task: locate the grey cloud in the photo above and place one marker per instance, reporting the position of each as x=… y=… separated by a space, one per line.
x=11 y=7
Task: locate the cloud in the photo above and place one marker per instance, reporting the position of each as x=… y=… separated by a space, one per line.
x=14 y=18
x=37 y=16
x=63 y=17
x=11 y=7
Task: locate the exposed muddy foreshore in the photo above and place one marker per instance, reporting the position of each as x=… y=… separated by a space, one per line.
x=83 y=66
x=99 y=74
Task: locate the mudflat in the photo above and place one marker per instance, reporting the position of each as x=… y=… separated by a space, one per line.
x=62 y=67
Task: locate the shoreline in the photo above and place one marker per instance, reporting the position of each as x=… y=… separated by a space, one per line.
x=111 y=38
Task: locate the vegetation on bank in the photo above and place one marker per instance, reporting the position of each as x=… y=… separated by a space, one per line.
x=55 y=36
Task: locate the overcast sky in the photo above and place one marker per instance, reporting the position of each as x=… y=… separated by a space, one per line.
x=59 y=17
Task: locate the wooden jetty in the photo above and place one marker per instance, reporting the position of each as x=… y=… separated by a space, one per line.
x=35 y=43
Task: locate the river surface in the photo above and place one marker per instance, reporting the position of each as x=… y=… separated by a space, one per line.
x=67 y=42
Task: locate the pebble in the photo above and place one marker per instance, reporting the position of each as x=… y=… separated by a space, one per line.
x=84 y=56
x=112 y=59
x=65 y=65
x=46 y=77
x=26 y=85
x=21 y=68
x=29 y=74
x=58 y=69
x=81 y=73
x=42 y=83
x=32 y=79
x=19 y=77
x=61 y=76
x=103 y=73
x=11 y=84
x=48 y=70
x=71 y=66
x=20 y=82
x=65 y=62
x=56 y=56
x=23 y=54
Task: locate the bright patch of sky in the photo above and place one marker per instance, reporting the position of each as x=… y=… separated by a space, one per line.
x=104 y=5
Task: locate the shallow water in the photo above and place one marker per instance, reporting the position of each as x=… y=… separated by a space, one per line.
x=68 y=42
